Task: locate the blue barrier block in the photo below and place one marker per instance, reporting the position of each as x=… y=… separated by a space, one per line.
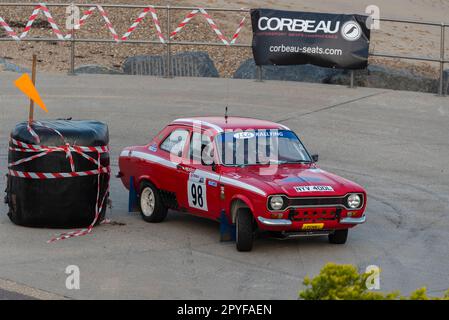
x=133 y=200
x=227 y=229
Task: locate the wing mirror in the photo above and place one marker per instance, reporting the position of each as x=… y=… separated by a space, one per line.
x=315 y=157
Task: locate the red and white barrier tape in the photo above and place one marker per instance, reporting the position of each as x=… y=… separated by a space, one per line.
x=136 y=23
x=68 y=150
x=140 y=18
x=237 y=32
x=42 y=7
x=10 y=32
x=187 y=19
x=212 y=24
x=33 y=133
x=25 y=147
x=44 y=176
x=30 y=22
x=157 y=25
x=150 y=9
x=214 y=27
x=54 y=26
x=108 y=23
x=86 y=15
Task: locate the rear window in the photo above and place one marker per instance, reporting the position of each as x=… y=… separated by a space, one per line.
x=175 y=142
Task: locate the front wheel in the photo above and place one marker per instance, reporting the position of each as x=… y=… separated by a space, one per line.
x=151 y=206
x=244 y=230
x=339 y=236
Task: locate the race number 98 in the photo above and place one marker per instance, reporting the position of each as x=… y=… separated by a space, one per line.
x=197 y=195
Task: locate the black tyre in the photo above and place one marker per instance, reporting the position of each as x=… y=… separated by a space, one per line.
x=13 y=212
x=339 y=237
x=151 y=206
x=244 y=230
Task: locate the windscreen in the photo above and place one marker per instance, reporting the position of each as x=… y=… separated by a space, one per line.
x=258 y=147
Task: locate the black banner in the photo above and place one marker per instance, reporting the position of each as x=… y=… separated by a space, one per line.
x=326 y=40
x=231 y=310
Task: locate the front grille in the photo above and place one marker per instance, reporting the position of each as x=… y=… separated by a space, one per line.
x=305 y=202
x=314 y=216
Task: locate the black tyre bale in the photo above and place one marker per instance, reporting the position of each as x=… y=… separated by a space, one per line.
x=64 y=202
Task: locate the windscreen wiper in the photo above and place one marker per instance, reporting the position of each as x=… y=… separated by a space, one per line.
x=300 y=161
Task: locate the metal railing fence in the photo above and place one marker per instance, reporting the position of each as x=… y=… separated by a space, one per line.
x=442 y=60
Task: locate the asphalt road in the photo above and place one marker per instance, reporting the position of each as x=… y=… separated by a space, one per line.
x=9 y=295
x=395 y=144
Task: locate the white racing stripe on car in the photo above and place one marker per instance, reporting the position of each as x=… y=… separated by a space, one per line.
x=229 y=181
x=242 y=185
x=150 y=157
x=124 y=153
x=207 y=175
x=200 y=122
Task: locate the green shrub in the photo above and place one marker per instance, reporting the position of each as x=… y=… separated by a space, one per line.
x=344 y=282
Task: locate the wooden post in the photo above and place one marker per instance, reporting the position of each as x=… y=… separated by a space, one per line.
x=33 y=79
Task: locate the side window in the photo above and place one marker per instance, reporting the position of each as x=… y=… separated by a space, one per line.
x=175 y=142
x=201 y=149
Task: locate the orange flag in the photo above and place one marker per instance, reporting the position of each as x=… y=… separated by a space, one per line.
x=25 y=85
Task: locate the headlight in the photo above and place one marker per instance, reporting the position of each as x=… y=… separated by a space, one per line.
x=276 y=203
x=354 y=201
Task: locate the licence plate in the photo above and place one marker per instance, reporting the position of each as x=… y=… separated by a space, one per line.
x=313 y=226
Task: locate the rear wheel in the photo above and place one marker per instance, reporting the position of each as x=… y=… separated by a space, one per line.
x=151 y=206
x=339 y=236
x=244 y=230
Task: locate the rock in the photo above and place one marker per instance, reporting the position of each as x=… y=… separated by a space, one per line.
x=144 y=65
x=379 y=76
x=202 y=63
x=303 y=73
x=8 y=66
x=376 y=76
x=247 y=70
x=190 y=64
x=97 y=69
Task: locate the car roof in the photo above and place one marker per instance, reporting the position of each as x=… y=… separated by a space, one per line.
x=220 y=124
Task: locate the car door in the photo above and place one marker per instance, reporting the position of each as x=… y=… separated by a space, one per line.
x=200 y=182
x=170 y=154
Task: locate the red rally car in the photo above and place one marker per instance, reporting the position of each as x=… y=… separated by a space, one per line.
x=258 y=173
